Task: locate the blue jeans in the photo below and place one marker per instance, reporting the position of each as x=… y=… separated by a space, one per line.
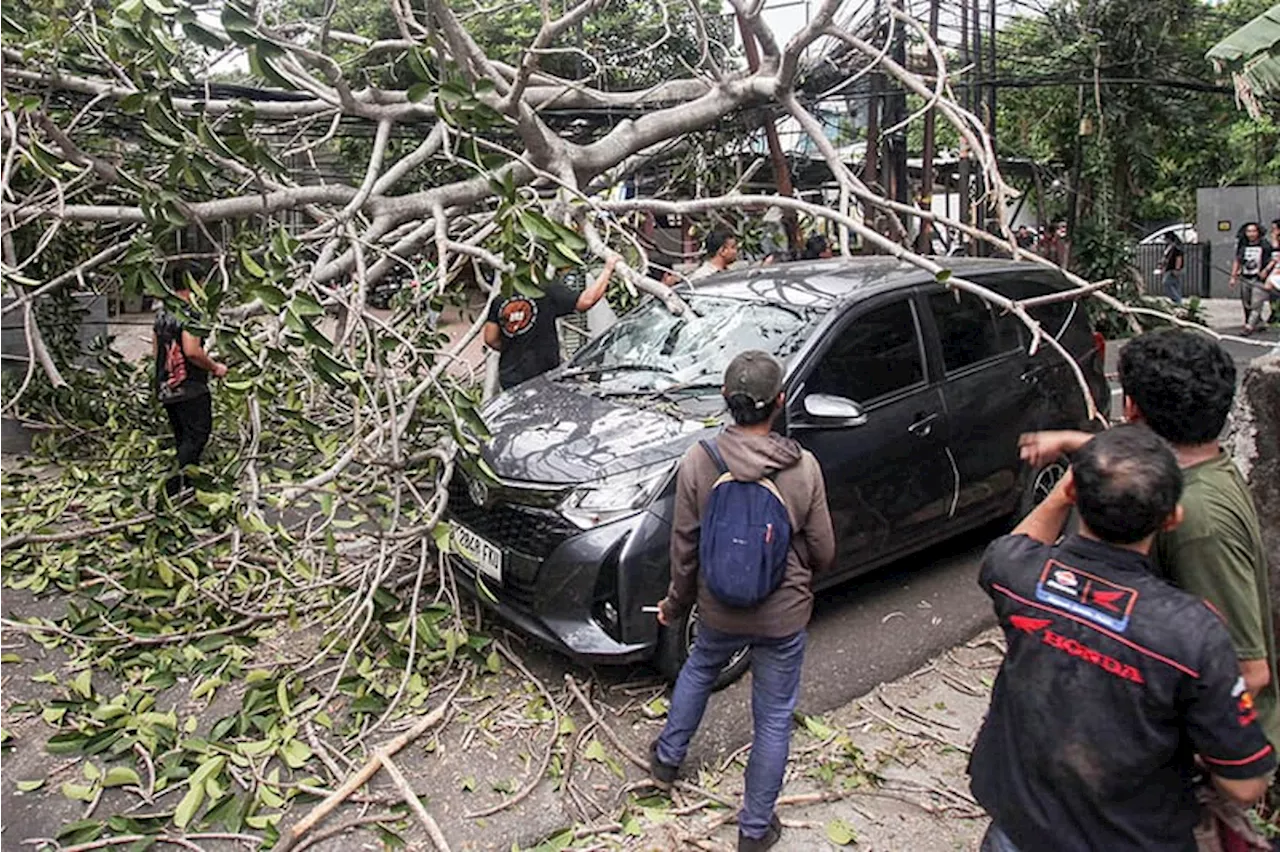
x=775 y=689
x=1173 y=287
x=997 y=841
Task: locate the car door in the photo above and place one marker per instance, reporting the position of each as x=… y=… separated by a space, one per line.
x=988 y=394
x=889 y=480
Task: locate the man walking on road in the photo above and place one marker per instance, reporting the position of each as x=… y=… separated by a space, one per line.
x=747 y=462
x=1181 y=384
x=182 y=369
x=1115 y=683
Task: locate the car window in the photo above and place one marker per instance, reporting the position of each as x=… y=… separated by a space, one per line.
x=969 y=330
x=695 y=346
x=1053 y=317
x=875 y=355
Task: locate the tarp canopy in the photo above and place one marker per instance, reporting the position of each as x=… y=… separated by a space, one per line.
x=1252 y=55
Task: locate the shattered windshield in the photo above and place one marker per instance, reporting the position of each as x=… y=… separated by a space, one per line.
x=655 y=349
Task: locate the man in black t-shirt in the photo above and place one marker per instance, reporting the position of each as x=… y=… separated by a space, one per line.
x=1247 y=268
x=1117 y=688
x=182 y=369
x=523 y=328
x=1171 y=267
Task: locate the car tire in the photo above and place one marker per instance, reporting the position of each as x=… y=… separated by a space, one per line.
x=674 y=642
x=1036 y=485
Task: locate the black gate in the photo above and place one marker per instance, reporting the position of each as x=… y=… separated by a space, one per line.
x=1195 y=270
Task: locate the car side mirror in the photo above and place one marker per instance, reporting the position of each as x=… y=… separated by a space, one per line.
x=828 y=407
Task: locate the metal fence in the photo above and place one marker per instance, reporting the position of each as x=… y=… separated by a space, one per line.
x=1195 y=270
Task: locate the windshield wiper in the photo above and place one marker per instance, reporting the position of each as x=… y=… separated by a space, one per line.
x=667 y=392
x=610 y=368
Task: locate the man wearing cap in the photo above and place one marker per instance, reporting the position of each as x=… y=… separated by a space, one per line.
x=1118 y=691
x=774 y=629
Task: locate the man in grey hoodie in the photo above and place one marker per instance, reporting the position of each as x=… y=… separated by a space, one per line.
x=775 y=628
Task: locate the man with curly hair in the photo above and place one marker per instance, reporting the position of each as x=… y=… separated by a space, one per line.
x=1181 y=384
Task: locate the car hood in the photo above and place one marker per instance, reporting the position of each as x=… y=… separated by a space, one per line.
x=559 y=434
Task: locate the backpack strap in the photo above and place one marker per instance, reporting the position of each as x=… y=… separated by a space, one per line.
x=714 y=451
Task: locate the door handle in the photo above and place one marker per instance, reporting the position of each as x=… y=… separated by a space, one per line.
x=923 y=426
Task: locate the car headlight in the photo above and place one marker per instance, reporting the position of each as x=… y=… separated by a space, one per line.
x=615 y=496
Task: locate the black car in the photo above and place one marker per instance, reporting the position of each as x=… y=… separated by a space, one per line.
x=911 y=396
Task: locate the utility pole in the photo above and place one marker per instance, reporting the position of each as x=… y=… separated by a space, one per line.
x=991 y=74
x=781 y=170
x=897 y=186
x=966 y=101
x=871 y=161
x=926 y=177
x=979 y=211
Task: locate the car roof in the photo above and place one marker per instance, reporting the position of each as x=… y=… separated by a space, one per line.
x=824 y=284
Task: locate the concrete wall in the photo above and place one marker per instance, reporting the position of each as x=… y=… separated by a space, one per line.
x=1233 y=205
x=13 y=338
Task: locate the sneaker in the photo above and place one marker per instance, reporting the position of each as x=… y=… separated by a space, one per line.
x=663 y=773
x=771 y=836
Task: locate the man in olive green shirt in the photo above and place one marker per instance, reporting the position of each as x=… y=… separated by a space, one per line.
x=1181 y=384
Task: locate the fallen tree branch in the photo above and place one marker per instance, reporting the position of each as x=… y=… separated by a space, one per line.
x=357 y=780
x=414 y=803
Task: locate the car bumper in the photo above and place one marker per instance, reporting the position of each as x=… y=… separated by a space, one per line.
x=556 y=600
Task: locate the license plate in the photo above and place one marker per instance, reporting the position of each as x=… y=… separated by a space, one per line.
x=484 y=555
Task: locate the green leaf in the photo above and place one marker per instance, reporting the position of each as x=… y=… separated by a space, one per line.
x=203 y=37
x=28 y=786
x=78 y=792
x=189 y=805
x=251 y=266
x=493 y=663
x=942 y=276
x=304 y=305
x=295 y=754
x=118 y=776
x=419 y=92
x=468 y=783
x=818 y=727
x=841 y=833
x=82 y=683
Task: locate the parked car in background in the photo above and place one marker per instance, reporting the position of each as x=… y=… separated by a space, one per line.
x=1184 y=231
x=911 y=396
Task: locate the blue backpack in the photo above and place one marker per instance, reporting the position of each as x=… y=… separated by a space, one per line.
x=745 y=537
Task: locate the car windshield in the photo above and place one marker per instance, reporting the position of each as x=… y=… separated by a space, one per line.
x=652 y=348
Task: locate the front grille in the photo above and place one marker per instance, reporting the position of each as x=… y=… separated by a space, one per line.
x=514 y=528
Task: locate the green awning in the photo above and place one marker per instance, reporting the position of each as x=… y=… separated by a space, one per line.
x=1251 y=55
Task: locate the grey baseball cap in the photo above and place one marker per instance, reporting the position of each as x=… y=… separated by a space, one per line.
x=754 y=374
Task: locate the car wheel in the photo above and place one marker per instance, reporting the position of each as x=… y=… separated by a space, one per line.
x=674 y=643
x=1038 y=483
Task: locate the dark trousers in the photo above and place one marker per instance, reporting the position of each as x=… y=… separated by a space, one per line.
x=192 y=422
x=997 y=841
x=775 y=689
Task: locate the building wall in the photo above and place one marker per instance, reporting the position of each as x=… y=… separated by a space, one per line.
x=1220 y=213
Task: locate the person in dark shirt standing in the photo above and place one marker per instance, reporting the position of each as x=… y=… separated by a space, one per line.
x=523 y=328
x=182 y=369
x=1171 y=267
x=1246 y=270
x=1117 y=687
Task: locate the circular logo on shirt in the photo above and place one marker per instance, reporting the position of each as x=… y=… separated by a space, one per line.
x=517 y=315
